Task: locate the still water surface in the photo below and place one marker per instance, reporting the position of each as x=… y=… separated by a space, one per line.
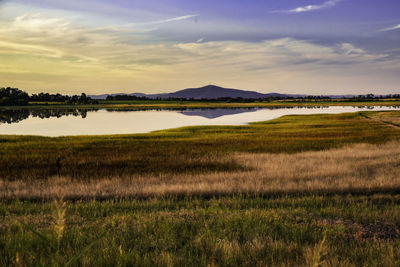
x=101 y=121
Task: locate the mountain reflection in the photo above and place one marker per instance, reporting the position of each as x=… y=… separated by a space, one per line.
x=216 y=113
x=9 y=116
x=213 y=113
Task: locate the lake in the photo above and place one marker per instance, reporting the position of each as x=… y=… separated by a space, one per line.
x=61 y=122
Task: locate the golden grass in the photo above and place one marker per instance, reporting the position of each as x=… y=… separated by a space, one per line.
x=354 y=168
x=389 y=117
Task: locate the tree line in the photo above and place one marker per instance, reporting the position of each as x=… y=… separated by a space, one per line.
x=16 y=97
x=313 y=98
x=220 y=99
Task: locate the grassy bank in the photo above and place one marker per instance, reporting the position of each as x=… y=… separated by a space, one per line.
x=189 y=150
x=306 y=190
x=276 y=103
x=163 y=104
x=233 y=231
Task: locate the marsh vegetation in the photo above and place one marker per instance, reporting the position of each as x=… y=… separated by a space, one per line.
x=361 y=168
x=299 y=190
x=189 y=150
x=221 y=231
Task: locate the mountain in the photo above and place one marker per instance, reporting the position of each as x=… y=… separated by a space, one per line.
x=213 y=92
x=206 y=92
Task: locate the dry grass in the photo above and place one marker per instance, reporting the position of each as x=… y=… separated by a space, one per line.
x=187 y=150
x=355 y=168
x=390 y=118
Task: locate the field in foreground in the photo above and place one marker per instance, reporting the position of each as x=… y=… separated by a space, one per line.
x=228 y=231
x=319 y=190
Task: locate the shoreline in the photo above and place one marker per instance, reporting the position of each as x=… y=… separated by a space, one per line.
x=189 y=104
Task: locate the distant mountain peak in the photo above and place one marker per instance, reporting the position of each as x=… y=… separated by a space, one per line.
x=211 y=91
x=212 y=86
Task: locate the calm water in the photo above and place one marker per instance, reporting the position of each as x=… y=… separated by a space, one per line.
x=101 y=121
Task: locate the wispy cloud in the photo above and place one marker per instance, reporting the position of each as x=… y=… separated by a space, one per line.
x=173 y=19
x=40 y=51
x=145 y=26
x=397 y=27
x=308 y=8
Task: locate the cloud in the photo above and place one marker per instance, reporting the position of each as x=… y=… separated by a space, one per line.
x=350 y=49
x=19 y=48
x=86 y=57
x=173 y=19
x=308 y=8
x=142 y=27
x=150 y=25
x=40 y=24
x=397 y=27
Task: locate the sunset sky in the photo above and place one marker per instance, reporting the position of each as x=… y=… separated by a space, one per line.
x=286 y=46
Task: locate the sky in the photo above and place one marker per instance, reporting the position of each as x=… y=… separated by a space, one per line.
x=287 y=46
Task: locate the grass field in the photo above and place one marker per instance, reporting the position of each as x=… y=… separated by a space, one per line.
x=357 y=169
x=158 y=104
x=274 y=104
x=305 y=190
x=228 y=231
x=184 y=150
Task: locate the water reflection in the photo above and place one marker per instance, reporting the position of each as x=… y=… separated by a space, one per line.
x=13 y=116
x=213 y=113
x=216 y=113
x=16 y=115
x=8 y=116
x=60 y=122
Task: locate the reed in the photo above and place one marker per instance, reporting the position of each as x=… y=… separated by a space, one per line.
x=240 y=230
x=188 y=150
x=360 y=168
x=320 y=190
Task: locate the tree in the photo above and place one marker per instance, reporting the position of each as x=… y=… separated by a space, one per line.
x=13 y=97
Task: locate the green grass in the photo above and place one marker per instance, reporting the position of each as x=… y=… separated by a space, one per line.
x=227 y=231
x=238 y=230
x=183 y=150
x=158 y=104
